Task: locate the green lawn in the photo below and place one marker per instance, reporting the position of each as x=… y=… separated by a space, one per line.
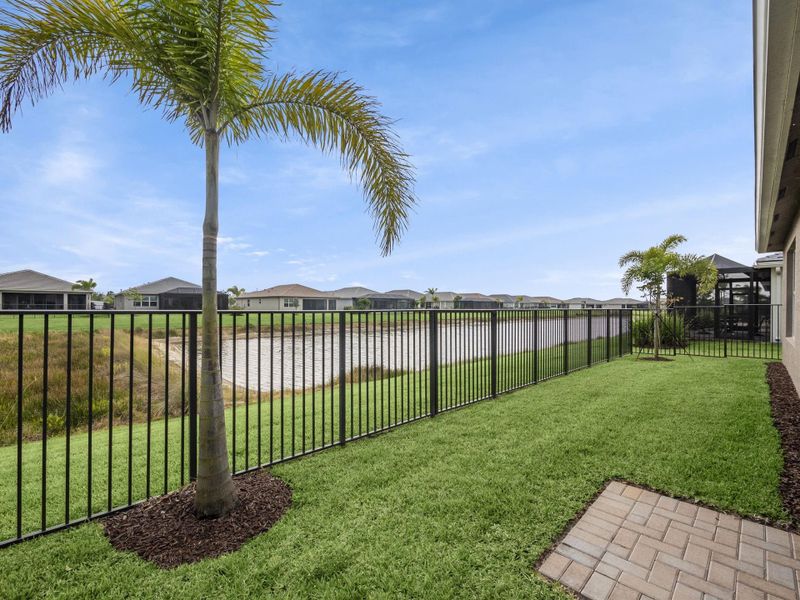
x=290 y=424
x=721 y=348
x=463 y=504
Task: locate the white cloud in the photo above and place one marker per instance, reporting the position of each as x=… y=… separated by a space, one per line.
x=68 y=167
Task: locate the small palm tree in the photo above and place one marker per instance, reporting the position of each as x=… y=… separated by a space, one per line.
x=87 y=285
x=201 y=62
x=235 y=291
x=431 y=291
x=650 y=268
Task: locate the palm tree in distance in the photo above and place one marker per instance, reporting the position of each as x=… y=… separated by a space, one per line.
x=650 y=268
x=431 y=291
x=87 y=285
x=202 y=63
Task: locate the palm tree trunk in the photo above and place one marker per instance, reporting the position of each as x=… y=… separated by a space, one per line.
x=216 y=494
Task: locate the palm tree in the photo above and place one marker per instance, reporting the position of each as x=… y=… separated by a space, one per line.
x=650 y=269
x=431 y=291
x=234 y=292
x=87 y=285
x=202 y=63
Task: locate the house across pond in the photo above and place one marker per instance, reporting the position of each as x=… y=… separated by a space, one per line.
x=169 y=293
x=32 y=290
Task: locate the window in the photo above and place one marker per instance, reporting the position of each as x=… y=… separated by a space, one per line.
x=76 y=301
x=146 y=302
x=790 y=289
x=291 y=303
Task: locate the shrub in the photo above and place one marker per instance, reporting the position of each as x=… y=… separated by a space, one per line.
x=673 y=330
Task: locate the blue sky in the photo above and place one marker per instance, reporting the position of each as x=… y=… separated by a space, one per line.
x=549 y=137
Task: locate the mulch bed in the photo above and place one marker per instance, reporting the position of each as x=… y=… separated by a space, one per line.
x=786 y=416
x=654 y=359
x=165 y=530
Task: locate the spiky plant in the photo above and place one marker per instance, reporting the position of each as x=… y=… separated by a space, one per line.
x=650 y=268
x=201 y=62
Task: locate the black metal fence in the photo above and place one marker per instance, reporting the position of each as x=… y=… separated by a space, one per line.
x=98 y=409
x=731 y=330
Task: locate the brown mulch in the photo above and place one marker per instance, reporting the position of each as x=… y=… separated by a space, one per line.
x=654 y=359
x=165 y=530
x=786 y=416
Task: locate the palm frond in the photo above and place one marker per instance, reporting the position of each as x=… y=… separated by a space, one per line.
x=45 y=44
x=631 y=257
x=671 y=242
x=628 y=279
x=336 y=116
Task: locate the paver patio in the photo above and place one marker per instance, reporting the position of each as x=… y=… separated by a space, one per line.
x=633 y=543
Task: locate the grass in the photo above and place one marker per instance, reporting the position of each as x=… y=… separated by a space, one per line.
x=463 y=504
x=266 y=430
x=721 y=348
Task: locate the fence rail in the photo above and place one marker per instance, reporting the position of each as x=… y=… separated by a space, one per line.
x=731 y=330
x=98 y=410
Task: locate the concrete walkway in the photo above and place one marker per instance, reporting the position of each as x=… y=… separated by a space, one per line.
x=633 y=544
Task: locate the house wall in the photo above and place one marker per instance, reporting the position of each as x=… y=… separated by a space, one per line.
x=344 y=303
x=122 y=302
x=791 y=343
x=259 y=303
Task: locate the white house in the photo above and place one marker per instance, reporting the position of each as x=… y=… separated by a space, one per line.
x=776 y=61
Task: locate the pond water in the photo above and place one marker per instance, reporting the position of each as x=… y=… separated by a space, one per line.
x=302 y=359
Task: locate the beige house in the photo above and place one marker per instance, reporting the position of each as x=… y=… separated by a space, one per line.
x=776 y=60
x=292 y=296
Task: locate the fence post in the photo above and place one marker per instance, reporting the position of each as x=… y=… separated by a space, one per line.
x=630 y=331
x=192 y=396
x=589 y=338
x=433 y=367
x=342 y=378
x=566 y=341
x=494 y=352
x=608 y=335
x=535 y=346
x=675 y=332
x=619 y=315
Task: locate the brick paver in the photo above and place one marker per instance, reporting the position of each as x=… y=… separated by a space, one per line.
x=633 y=544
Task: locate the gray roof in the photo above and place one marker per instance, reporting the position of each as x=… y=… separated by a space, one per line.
x=29 y=280
x=443 y=296
x=624 y=301
x=352 y=292
x=290 y=290
x=476 y=297
x=168 y=284
x=726 y=264
x=410 y=294
x=775 y=257
x=503 y=297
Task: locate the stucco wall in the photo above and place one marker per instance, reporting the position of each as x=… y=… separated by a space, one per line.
x=259 y=303
x=791 y=339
